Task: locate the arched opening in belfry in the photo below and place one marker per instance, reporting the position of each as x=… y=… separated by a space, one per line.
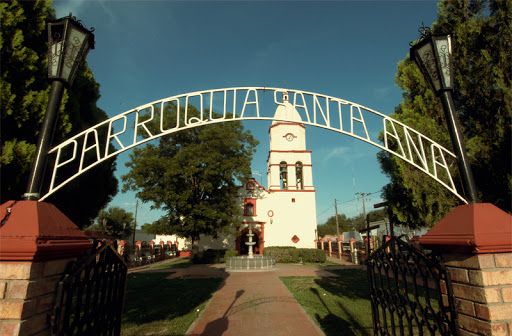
x=298 y=175
x=283 y=168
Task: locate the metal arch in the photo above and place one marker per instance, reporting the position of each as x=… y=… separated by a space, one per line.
x=315 y=109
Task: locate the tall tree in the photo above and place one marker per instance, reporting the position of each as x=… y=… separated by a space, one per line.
x=357 y=222
x=193 y=175
x=481 y=33
x=114 y=221
x=24 y=97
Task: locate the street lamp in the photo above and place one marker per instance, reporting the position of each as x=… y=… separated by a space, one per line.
x=68 y=44
x=433 y=55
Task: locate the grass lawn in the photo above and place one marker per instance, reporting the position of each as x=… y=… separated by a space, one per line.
x=340 y=306
x=158 y=306
x=180 y=263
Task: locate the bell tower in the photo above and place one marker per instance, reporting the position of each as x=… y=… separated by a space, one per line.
x=289 y=162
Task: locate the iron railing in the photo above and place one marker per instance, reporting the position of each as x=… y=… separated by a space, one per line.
x=90 y=296
x=411 y=293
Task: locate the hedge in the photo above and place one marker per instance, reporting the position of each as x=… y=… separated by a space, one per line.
x=213 y=256
x=290 y=254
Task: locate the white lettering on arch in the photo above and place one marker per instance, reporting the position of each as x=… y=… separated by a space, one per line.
x=174 y=117
x=85 y=149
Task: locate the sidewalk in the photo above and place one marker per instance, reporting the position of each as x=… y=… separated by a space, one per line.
x=255 y=303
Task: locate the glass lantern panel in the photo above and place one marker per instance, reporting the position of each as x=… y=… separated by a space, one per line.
x=444 y=52
x=427 y=57
x=74 y=41
x=54 y=58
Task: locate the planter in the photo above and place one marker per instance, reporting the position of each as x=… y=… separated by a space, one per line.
x=184 y=253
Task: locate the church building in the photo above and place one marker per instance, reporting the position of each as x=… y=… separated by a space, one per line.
x=285 y=213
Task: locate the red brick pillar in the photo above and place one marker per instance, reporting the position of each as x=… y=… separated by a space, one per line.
x=352 y=243
x=162 y=253
x=121 y=248
x=476 y=242
x=152 y=248
x=170 y=245
x=37 y=242
x=138 y=248
x=339 y=241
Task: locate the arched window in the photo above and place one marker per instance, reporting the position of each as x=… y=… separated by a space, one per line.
x=249 y=209
x=298 y=174
x=283 y=168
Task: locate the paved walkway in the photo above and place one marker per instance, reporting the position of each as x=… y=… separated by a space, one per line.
x=255 y=303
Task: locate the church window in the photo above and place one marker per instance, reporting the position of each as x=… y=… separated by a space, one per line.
x=299 y=175
x=250 y=207
x=283 y=167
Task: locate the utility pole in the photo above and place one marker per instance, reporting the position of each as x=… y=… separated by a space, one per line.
x=337 y=224
x=135 y=222
x=364 y=209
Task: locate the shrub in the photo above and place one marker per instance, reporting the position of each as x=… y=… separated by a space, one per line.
x=230 y=253
x=283 y=254
x=209 y=257
x=312 y=255
x=290 y=254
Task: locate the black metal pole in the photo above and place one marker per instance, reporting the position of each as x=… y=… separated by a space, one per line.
x=459 y=148
x=44 y=142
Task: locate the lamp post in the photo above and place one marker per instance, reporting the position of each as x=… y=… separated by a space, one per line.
x=433 y=55
x=68 y=44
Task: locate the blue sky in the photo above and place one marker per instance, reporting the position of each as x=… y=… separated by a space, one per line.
x=150 y=50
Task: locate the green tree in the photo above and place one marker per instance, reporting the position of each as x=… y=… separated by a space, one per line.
x=347 y=224
x=329 y=227
x=114 y=221
x=24 y=97
x=192 y=175
x=481 y=33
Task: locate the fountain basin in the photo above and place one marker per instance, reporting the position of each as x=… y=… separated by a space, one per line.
x=244 y=263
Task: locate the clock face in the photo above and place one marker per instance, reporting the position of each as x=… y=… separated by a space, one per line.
x=289 y=137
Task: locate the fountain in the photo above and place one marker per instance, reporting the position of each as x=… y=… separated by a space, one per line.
x=251 y=261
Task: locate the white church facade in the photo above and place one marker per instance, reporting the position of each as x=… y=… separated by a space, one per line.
x=285 y=213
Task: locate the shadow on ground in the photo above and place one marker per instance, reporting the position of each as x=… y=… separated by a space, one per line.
x=349 y=309
x=156 y=303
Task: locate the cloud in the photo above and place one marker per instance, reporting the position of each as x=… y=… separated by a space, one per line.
x=337 y=152
x=79 y=8
x=342 y=155
x=382 y=92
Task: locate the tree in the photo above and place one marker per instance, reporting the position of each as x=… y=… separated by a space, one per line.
x=357 y=222
x=481 y=33
x=114 y=221
x=193 y=175
x=24 y=97
x=329 y=227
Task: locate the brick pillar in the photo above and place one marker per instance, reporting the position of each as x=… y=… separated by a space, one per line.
x=316 y=243
x=152 y=248
x=352 y=242
x=330 y=247
x=322 y=242
x=339 y=241
x=476 y=244
x=162 y=253
x=121 y=247
x=138 y=248
x=37 y=242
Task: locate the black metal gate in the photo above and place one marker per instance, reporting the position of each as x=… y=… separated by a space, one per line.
x=411 y=293
x=90 y=296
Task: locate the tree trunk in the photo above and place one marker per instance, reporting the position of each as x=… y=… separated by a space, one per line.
x=195 y=244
